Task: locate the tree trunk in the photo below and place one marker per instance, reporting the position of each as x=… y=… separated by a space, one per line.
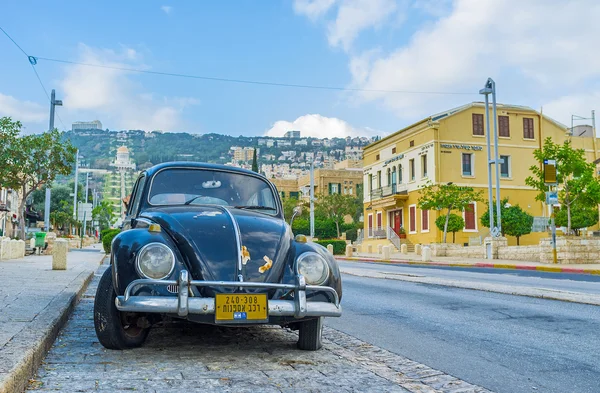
x=518 y=237
x=446 y=224
x=22 y=215
x=453 y=237
x=568 y=218
x=337 y=227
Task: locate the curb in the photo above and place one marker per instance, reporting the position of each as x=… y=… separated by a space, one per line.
x=551 y=269
x=49 y=322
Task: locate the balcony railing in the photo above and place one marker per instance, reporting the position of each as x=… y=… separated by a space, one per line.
x=377 y=232
x=394 y=189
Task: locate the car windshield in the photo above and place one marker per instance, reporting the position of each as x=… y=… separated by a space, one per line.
x=180 y=186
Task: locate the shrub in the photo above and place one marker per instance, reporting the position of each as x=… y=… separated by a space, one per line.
x=339 y=246
x=107 y=239
x=324 y=229
x=351 y=234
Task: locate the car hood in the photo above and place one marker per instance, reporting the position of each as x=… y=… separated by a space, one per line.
x=206 y=238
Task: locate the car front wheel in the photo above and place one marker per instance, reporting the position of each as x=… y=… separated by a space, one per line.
x=310 y=334
x=114 y=329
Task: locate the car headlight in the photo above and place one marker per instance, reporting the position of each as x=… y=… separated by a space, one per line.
x=313 y=267
x=155 y=261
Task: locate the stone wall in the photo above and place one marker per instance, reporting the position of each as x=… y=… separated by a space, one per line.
x=519 y=253
x=456 y=250
x=571 y=250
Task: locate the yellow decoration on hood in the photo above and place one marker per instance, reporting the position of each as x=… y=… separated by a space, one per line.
x=267 y=265
x=245 y=255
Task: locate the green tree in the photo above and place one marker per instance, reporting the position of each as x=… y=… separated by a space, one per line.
x=33 y=161
x=254 y=162
x=288 y=207
x=515 y=221
x=447 y=196
x=581 y=217
x=576 y=179
x=453 y=224
x=335 y=207
x=104 y=213
x=60 y=199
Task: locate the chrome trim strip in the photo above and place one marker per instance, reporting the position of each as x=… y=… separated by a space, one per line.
x=238 y=240
x=182 y=306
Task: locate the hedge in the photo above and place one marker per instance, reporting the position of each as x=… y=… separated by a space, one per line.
x=107 y=237
x=324 y=229
x=339 y=246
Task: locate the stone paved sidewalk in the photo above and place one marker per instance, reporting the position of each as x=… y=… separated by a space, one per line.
x=180 y=356
x=34 y=304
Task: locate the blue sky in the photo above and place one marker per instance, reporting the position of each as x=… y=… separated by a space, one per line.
x=538 y=52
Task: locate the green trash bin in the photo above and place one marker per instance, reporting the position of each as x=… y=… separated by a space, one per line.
x=40 y=238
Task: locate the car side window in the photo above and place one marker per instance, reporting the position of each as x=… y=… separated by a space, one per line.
x=137 y=196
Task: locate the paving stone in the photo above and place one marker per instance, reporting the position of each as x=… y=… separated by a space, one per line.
x=181 y=356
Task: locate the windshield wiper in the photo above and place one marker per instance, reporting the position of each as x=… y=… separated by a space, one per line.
x=255 y=207
x=192 y=200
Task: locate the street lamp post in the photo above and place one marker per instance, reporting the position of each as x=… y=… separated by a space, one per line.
x=53 y=103
x=312 y=200
x=490 y=88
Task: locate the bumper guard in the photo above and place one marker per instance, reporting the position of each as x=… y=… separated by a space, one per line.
x=183 y=304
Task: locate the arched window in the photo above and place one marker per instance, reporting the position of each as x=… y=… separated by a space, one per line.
x=389 y=177
x=400 y=174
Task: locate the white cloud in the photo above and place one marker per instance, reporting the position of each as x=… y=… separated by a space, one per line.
x=539 y=44
x=314 y=125
x=313 y=9
x=355 y=16
x=582 y=104
x=166 y=9
x=23 y=111
x=113 y=95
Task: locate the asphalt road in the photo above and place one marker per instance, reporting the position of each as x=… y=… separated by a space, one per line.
x=502 y=342
x=583 y=283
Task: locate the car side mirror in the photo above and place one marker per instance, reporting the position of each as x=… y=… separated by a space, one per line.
x=297 y=211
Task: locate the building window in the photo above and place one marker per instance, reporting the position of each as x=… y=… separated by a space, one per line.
x=334 y=188
x=478 y=124
x=393 y=150
x=505 y=166
x=389 y=176
x=467 y=164
x=412 y=219
x=424 y=165
x=379 y=224
x=370 y=182
x=370 y=225
x=411 y=143
x=399 y=174
x=528 y=128
x=470 y=216
x=377 y=157
x=294 y=194
x=378 y=179
x=503 y=129
x=424 y=220
x=411 y=169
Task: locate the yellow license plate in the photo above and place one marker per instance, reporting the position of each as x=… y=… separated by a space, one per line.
x=241 y=308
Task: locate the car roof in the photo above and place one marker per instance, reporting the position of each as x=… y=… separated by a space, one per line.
x=200 y=165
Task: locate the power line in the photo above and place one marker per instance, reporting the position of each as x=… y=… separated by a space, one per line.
x=14 y=42
x=33 y=62
x=245 y=81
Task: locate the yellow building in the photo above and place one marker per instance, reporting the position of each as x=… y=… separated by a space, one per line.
x=451 y=147
x=346 y=181
x=287 y=188
x=243 y=153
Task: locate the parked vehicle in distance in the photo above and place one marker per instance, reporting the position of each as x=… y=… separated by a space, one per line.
x=209 y=243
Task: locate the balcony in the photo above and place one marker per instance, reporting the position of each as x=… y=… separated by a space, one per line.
x=394 y=189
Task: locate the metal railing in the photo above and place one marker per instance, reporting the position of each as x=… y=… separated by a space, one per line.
x=377 y=232
x=393 y=237
x=360 y=237
x=385 y=191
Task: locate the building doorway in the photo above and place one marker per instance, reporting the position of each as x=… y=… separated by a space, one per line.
x=395 y=220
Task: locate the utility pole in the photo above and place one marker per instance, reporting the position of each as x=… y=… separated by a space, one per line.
x=76 y=180
x=87 y=185
x=312 y=200
x=53 y=103
x=490 y=88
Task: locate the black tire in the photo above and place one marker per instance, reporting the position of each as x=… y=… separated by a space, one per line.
x=111 y=330
x=310 y=334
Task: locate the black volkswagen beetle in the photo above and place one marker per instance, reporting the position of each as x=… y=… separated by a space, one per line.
x=209 y=243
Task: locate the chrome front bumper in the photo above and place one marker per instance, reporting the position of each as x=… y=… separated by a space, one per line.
x=183 y=304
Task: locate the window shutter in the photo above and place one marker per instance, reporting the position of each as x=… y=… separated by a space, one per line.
x=413 y=219
x=339 y=188
x=425 y=220
x=329 y=188
x=503 y=128
x=470 y=217
x=477 y=124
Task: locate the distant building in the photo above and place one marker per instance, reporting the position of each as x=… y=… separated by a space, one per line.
x=292 y=134
x=86 y=125
x=123 y=162
x=243 y=153
x=270 y=142
x=283 y=142
x=301 y=142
